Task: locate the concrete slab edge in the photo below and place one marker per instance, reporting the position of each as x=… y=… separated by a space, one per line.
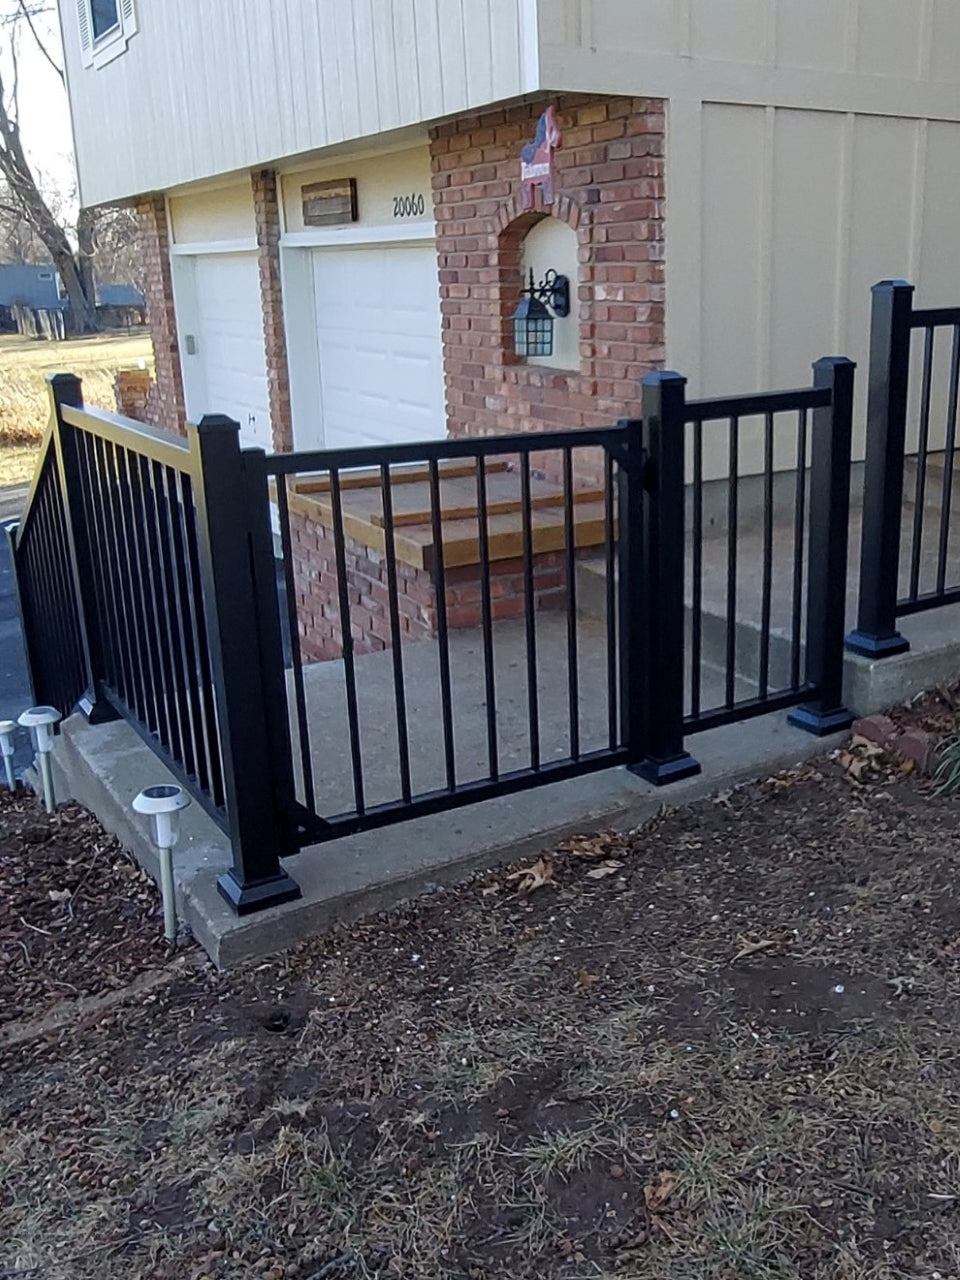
x=102 y=768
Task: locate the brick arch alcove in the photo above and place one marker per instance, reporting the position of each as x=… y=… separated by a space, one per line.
x=609 y=189
x=517 y=224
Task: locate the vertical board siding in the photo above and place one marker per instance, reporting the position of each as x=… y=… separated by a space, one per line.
x=206 y=89
x=852 y=199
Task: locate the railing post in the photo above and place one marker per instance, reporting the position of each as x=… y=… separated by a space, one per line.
x=67 y=390
x=233 y=524
x=630 y=568
x=661 y=584
x=829 y=530
x=876 y=633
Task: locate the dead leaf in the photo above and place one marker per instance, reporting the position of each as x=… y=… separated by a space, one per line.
x=534 y=877
x=936 y=1126
x=491 y=890
x=869 y=748
x=59 y=895
x=751 y=946
x=585 y=979
x=608 y=868
x=658 y=1192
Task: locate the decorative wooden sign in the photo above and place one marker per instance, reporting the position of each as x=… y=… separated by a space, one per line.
x=329 y=204
x=536 y=159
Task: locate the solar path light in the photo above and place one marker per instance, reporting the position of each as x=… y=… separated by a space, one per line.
x=163 y=804
x=40 y=720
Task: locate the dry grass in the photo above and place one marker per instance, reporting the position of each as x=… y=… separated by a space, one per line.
x=25 y=363
x=584 y=1084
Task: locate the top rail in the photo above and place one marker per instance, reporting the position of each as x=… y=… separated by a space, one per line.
x=156 y=445
x=934 y=317
x=440 y=450
x=763 y=402
x=46 y=445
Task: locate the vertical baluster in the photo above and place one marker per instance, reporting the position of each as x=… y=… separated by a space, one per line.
x=399 y=691
x=443 y=636
x=610 y=583
x=296 y=657
x=131 y=689
x=489 y=675
x=178 y=613
x=185 y=531
x=170 y=651
x=570 y=565
x=696 y=618
x=799 y=530
x=767 y=556
x=530 y=617
x=950 y=447
x=733 y=484
x=916 y=546
x=349 y=668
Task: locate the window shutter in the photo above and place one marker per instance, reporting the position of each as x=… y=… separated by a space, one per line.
x=86 y=32
x=128 y=17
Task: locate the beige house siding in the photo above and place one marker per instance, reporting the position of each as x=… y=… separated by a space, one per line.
x=221 y=86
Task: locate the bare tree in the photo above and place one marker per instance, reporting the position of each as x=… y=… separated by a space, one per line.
x=23 y=189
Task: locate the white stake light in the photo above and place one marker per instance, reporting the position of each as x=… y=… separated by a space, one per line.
x=8 y=746
x=163 y=804
x=41 y=721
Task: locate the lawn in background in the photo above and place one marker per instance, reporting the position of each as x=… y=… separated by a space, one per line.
x=26 y=363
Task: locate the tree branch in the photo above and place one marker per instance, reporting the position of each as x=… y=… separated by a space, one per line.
x=24 y=12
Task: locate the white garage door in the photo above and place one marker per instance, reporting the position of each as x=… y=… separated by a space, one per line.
x=378 y=331
x=230 y=344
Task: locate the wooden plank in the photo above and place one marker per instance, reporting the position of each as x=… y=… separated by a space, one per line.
x=495 y=507
x=398 y=474
x=461 y=541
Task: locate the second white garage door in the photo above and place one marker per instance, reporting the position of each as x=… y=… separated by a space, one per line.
x=230 y=344
x=378 y=334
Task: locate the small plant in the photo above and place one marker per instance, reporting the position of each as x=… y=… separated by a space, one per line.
x=947 y=775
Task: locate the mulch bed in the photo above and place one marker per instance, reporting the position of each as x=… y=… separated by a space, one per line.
x=724 y=1046
x=77 y=915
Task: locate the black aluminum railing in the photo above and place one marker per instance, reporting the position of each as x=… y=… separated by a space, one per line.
x=135 y=563
x=291 y=700
x=910 y=559
x=48 y=602
x=809 y=432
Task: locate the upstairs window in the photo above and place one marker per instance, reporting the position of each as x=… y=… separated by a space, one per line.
x=105 y=29
x=104 y=16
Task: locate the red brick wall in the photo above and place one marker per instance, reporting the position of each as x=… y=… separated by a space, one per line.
x=610 y=190
x=133 y=389
x=165 y=402
x=318 y=601
x=266 y=206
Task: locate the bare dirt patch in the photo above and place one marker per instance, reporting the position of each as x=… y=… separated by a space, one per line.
x=732 y=1054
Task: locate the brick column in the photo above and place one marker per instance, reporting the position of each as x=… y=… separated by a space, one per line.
x=610 y=192
x=266 y=206
x=165 y=403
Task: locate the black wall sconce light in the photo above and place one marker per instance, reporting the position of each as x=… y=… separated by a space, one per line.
x=533 y=321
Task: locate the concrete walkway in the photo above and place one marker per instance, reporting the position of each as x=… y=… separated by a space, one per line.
x=325 y=687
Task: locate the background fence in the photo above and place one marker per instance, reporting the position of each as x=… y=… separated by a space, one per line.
x=909 y=559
